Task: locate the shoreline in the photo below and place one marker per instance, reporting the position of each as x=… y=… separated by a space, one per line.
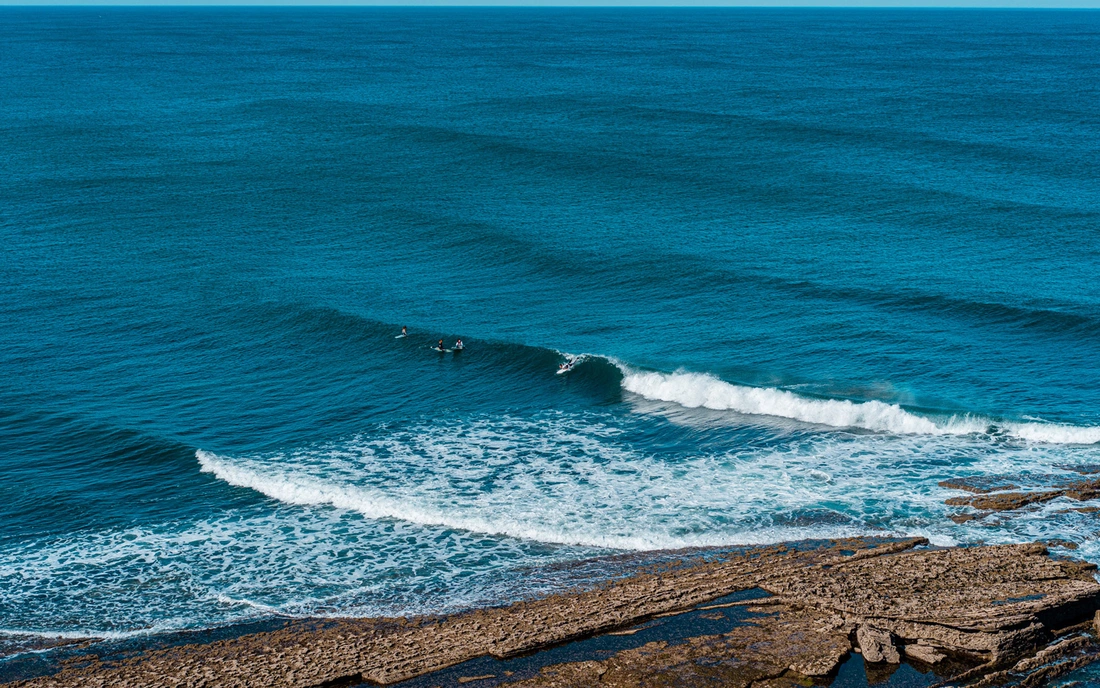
x=786 y=614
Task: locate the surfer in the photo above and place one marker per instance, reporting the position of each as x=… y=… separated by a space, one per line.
x=459 y=346
x=404 y=331
x=439 y=347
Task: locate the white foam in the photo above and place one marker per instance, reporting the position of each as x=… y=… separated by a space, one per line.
x=298 y=487
x=82 y=635
x=265 y=608
x=699 y=390
x=1053 y=433
x=569 y=480
x=250 y=563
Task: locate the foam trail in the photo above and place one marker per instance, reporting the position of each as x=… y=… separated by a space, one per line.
x=1053 y=433
x=297 y=488
x=86 y=635
x=267 y=609
x=695 y=390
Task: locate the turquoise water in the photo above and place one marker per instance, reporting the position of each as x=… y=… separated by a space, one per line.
x=814 y=262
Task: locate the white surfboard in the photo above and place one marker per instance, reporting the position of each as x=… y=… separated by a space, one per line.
x=400 y=336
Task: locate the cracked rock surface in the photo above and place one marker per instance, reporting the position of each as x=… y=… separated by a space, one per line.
x=994 y=606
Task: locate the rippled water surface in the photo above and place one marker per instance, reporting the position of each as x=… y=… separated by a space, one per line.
x=812 y=262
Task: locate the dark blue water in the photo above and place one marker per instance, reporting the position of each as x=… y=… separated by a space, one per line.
x=815 y=261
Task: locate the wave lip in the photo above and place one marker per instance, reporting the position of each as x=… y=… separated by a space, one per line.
x=695 y=390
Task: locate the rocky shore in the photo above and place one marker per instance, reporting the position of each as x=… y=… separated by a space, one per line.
x=980 y=616
x=989 y=496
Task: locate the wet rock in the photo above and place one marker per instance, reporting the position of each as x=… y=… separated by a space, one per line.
x=963 y=518
x=877 y=645
x=1082 y=468
x=1084 y=490
x=1080 y=490
x=980 y=484
x=1064 y=544
x=1004 y=501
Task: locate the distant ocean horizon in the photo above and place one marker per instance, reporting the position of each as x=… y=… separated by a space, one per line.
x=809 y=263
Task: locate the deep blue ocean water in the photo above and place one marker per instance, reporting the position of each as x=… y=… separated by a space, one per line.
x=814 y=262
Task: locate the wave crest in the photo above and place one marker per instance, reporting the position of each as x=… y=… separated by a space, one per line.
x=699 y=390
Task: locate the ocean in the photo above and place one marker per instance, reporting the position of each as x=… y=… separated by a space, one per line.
x=811 y=263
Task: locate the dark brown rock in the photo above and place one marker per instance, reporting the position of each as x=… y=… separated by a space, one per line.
x=964 y=518
x=1004 y=501
x=989 y=500
x=979 y=484
x=1064 y=544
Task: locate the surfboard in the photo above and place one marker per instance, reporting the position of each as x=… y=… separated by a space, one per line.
x=442 y=351
x=401 y=336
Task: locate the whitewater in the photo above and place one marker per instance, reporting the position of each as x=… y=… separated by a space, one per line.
x=573 y=480
x=695 y=390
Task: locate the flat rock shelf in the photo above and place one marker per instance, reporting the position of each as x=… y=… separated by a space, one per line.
x=782 y=615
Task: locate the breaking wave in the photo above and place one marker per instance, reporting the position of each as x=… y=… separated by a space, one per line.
x=583 y=480
x=486 y=515
x=296 y=488
x=699 y=390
